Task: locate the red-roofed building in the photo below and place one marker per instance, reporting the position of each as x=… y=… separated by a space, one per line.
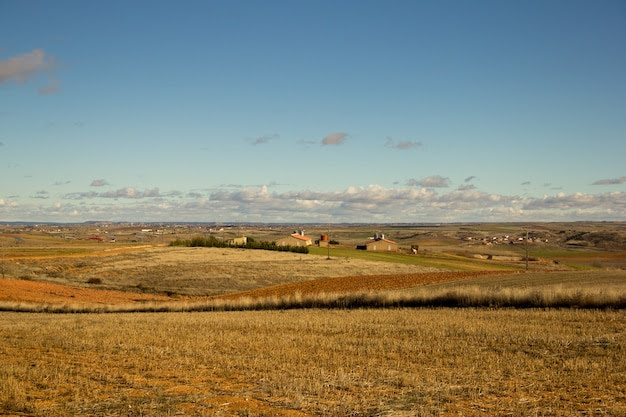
x=295 y=239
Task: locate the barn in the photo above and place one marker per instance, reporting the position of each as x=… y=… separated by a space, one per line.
x=380 y=244
x=297 y=238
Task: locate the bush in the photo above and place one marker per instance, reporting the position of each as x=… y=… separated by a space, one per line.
x=212 y=242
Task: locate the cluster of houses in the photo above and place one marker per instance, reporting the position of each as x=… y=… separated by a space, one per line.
x=506 y=239
x=377 y=243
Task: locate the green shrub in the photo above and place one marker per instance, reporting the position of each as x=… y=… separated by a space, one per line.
x=212 y=242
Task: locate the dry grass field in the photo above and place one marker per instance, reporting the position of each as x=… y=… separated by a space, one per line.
x=398 y=362
x=192 y=271
x=166 y=347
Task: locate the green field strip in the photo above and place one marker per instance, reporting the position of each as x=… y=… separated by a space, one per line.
x=432 y=259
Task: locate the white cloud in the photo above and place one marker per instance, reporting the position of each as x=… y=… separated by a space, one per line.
x=8 y=203
x=578 y=201
x=335 y=139
x=130 y=192
x=610 y=181
x=466 y=187
x=265 y=139
x=402 y=145
x=81 y=195
x=99 y=183
x=127 y=192
x=371 y=203
x=43 y=194
x=435 y=181
x=23 y=67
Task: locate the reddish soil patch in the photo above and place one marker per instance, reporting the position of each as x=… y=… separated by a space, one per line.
x=43 y=292
x=362 y=283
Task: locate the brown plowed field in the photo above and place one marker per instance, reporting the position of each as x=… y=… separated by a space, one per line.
x=42 y=292
x=361 y=283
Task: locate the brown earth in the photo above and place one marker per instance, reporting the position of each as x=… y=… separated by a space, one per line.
x=41 y=292
x=361 y=283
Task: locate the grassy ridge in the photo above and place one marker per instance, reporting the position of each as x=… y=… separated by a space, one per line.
x=548 y=290
x=596 y=279
x=466 y=297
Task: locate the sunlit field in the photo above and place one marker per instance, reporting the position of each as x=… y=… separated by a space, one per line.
x=136 y=329
x=316 y=362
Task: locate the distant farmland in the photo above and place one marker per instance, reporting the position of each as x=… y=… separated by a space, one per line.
x=442 y=332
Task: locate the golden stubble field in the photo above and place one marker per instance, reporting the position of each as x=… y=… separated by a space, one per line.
x=398 y=362
x=297 y=362
x=192 y=271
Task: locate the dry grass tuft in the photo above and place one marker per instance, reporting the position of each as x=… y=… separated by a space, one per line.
x=468 y=296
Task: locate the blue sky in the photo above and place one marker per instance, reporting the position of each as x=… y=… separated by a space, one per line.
x=298 y=111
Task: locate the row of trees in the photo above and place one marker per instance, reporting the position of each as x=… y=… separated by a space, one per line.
x=213 y=242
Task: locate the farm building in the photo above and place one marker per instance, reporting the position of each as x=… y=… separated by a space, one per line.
x=379 y=243
x=297 y=238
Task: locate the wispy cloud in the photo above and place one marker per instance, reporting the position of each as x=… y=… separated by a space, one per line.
x=335 y=139
x=127 y=192
x=23 y=67
x=402 y=145
x=81 y=195
x=42 y=195
x=611 y=181
x=99 y=183
x=307 y=142
x=131 y=192
x=466 y=187
x=434 y=181
x=53 y=86
x=578 y=201
x=470 y=178
x=265 y=139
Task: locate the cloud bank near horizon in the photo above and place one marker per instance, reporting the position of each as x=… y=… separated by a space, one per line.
x=372 y=203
